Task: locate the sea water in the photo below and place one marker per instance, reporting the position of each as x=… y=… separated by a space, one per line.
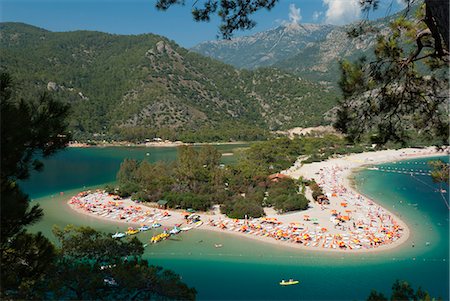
x=76 y=167
x=245 y=269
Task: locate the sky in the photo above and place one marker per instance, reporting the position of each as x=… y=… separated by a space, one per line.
x=140 y=16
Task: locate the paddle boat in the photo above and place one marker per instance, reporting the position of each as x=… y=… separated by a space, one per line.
x=159 y=237
x=290 y=282
x=175 y=230
x=144 y=228
x=131 y=231
x=118 y=235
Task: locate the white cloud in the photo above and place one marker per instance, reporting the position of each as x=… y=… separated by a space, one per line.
x=316 y=15
x=342 y=11
x=294 y=14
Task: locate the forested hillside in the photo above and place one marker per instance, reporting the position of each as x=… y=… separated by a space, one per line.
x=142 y=86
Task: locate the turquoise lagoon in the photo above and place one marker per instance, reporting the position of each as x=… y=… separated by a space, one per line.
x=81 y=167
x=245 y=269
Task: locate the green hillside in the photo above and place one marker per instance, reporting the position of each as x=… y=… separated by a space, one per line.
x=143 y=86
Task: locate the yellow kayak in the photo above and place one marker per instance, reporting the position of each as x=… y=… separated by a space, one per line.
x=290 y=282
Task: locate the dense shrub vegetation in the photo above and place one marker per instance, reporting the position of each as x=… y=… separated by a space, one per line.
x=197 y=179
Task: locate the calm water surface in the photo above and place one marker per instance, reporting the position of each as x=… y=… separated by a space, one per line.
x=80 y=167
x=250 y=270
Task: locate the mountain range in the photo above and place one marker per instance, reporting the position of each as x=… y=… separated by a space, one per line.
x=311 y=51
x=136 y=86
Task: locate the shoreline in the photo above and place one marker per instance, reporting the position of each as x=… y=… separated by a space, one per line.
x=153 y=144
x=350 y=162
x=358 y=162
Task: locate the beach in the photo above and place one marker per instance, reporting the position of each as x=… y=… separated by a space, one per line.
x=350 y=223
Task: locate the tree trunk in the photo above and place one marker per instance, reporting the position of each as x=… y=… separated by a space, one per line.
x=438 y=10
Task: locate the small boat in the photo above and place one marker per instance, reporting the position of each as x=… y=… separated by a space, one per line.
x=198 y=224
x=185 y=228
x=118 y=235
x=290 y=282
x=159 y=237
x=132 y=231
x=175 y=230
x=144 y=228
x=218 y=245
x=156 y=225
x=110 y=281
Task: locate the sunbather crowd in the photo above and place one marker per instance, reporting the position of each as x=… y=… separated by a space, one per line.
x=350 y=221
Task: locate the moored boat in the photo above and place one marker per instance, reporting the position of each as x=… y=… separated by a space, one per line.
x=159 y=237
x=144 y=228
x=131 y=231
x=118 y=235
x=175 y=230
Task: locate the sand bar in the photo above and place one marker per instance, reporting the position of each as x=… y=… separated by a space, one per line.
x=350 y=223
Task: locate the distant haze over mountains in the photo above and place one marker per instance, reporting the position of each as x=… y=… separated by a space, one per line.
x=265 y=48
x=311 y=51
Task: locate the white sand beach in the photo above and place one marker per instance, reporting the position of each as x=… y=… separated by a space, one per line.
x=350 y=223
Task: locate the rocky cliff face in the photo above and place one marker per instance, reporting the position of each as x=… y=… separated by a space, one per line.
x=311 y=51
x=265 y=48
